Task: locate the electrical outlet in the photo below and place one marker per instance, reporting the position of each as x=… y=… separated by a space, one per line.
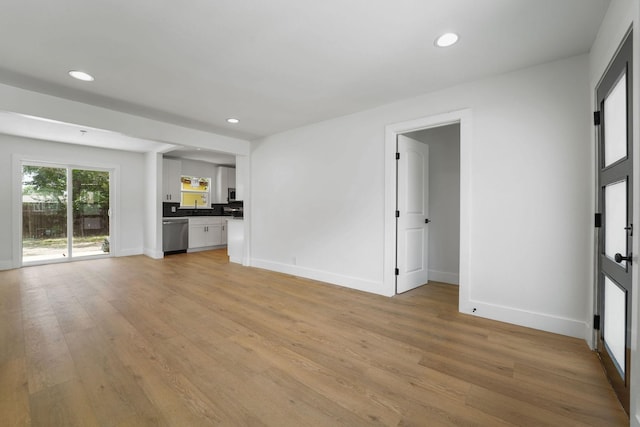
x=173 y=209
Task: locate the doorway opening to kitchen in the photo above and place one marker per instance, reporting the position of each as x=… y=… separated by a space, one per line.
x=65 y=213
x=435 y=191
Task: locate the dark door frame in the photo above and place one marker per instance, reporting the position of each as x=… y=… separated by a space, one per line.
x=620 y=171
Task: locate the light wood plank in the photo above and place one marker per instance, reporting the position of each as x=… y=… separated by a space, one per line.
x=63 y=404
x=111 y=387
x=14 y=393
x=48 y=359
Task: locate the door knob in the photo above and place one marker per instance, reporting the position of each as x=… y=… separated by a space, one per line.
x=619 y=258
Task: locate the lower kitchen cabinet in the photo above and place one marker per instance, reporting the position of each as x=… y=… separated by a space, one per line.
x=207 y=231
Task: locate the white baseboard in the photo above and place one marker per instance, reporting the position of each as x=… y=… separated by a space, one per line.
x=542 y=321
x=129 y=252
x=152 y=253
x=444 y=277
x=6 y=264
x=322 y=276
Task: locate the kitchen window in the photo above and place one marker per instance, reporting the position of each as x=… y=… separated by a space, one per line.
x=195 y=192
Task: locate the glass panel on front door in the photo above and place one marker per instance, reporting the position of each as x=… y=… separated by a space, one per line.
x=615 y=205
x=615 y=321
x=615 y=119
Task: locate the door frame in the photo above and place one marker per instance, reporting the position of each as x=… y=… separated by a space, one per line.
x=464 y=118
x=16 y=172
x=598 y=289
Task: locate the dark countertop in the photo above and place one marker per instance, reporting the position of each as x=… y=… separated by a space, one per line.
x=173 y=209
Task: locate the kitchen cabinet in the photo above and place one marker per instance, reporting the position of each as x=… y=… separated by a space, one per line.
x=226 y=179
x=206 y=232
x=171 y=172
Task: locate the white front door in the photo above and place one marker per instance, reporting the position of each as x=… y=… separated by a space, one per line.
x=412 y=214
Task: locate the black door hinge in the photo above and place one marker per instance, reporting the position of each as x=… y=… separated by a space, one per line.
x=596 y=118
x=397 y=272
x=597 y=223
x=596 y=322
x=397 y=214
x=397 y=156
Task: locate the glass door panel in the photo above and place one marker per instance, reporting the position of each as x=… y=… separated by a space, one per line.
x=615 y=213
x=54 y=229
x=615 y=117
x=44 y=213
x=615 y=321
x=90 y=195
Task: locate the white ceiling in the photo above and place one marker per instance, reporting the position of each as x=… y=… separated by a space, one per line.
x=275 y=64
x=51 y=130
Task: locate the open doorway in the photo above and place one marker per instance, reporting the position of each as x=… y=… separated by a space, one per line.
x=442 y=256
x=461 y=123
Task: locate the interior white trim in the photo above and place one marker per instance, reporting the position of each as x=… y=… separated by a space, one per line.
x=153 y=253
x=16 y=209
x=323 y=276
x=129 y=252
x=542 y=321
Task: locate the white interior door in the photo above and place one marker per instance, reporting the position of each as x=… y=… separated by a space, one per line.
x=412 y=215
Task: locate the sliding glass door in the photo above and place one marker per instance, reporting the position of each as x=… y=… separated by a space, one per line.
x=65 y=213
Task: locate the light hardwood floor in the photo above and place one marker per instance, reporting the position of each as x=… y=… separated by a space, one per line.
x=193 y=340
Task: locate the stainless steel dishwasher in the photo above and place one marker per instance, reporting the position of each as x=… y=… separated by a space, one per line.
x=175 y=235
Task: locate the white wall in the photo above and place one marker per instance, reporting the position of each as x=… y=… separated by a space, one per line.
x=318 y=195
x=444 y=201
x=200 y=169
x=130 y=182
x=622 y=15
x=153 y=206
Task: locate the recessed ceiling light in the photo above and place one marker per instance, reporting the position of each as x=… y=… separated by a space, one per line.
x=232 y=120
x=81 y=75
x=447 y=39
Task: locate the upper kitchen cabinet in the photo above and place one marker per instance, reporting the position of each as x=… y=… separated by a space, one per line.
x=226 y=180
x=171 y=171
